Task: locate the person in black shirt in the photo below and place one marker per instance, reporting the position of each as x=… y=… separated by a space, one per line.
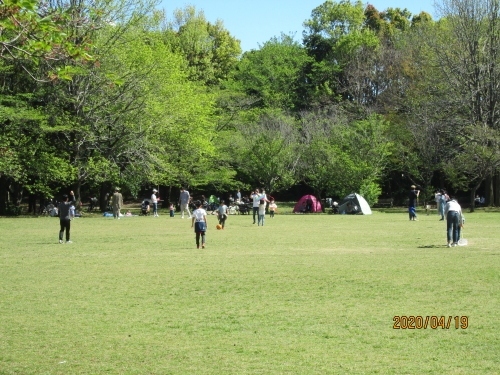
x=65 y=216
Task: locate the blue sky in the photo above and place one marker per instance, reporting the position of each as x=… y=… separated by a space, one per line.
x=254 y=22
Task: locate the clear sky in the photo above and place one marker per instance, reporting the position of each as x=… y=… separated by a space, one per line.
x=254 y=22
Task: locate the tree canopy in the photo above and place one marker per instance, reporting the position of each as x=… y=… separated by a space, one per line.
x=95 y=94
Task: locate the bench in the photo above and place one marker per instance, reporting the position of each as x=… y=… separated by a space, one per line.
x=384 y=202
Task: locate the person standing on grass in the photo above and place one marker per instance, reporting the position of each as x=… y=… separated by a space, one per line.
x=184 y=202
x=272 y=208
x=65 y=216
x=117 y=203
x=262 y=210
x=154 y=201
x=412 y=202
x=437 y=198
x=222 y=213
x=256 y=197
x=453 y=213
x=443 y=198
x=199 y=222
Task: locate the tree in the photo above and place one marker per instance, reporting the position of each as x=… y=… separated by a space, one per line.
x=467 y=50
x=335 y=33
x=477 y=157
x=210 y=51
x=340 y=157
x=273 y=74
x=32 y=32
x=266 y=151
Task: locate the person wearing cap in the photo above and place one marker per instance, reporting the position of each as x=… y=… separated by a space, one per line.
x=64 y=216
x=412 y=202
x=117 y=203
x=154 y=202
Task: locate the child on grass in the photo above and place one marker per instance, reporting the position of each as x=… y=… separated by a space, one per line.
x=272 y=208
x=199 y=222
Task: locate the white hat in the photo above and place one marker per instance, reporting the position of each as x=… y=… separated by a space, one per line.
x=154 y=190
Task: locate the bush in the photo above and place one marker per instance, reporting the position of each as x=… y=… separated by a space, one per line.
x=370 y=191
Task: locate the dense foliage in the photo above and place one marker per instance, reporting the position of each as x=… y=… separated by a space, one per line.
x=95 y=94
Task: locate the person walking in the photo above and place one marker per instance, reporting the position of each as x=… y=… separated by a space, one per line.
x=222 y=213
x=65 y=216
x=184 y=202
x=199 y=222
x=272 y=208
x=117 y=203
x=256 y=197
x=412 y=202
x=453 y=213
x=154 y=202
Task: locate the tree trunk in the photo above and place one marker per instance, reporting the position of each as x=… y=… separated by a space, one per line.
x=104 y=195
x=488 y=187
x=3 y=195
x=472 y=198
x=32 y=204
x=77 y=195
x=496 y=187
x=317 y=193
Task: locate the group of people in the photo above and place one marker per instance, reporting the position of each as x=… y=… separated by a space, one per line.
x=259 y=203
x=448 y=208
x=199 y=215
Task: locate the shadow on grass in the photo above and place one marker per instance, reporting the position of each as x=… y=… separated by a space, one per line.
x=431 y=246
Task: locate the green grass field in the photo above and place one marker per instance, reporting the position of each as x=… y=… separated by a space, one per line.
x=305 y=294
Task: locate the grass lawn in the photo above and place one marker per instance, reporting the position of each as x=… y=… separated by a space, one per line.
x=305 y=294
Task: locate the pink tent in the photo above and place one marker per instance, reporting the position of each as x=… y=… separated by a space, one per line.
x=308 y=203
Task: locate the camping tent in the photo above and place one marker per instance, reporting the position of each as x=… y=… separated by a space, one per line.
x=354 y=204
x=308 y=203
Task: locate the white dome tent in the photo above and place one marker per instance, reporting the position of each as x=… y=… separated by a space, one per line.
x=354 y=204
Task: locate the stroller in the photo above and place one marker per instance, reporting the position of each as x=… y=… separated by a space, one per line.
x=145 y=207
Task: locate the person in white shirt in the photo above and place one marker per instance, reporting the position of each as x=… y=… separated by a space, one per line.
x=199 y=222
x=154 y=202
x=184 y=202
x=453 y=213
x=262 y=210
x=256 y=198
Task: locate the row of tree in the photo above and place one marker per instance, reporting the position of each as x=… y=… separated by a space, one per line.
x=95 y=94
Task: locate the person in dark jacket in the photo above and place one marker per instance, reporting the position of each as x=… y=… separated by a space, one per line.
x=65 y=216
x=412 y=202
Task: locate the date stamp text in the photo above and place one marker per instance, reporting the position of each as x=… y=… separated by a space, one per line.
x=433 y=322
